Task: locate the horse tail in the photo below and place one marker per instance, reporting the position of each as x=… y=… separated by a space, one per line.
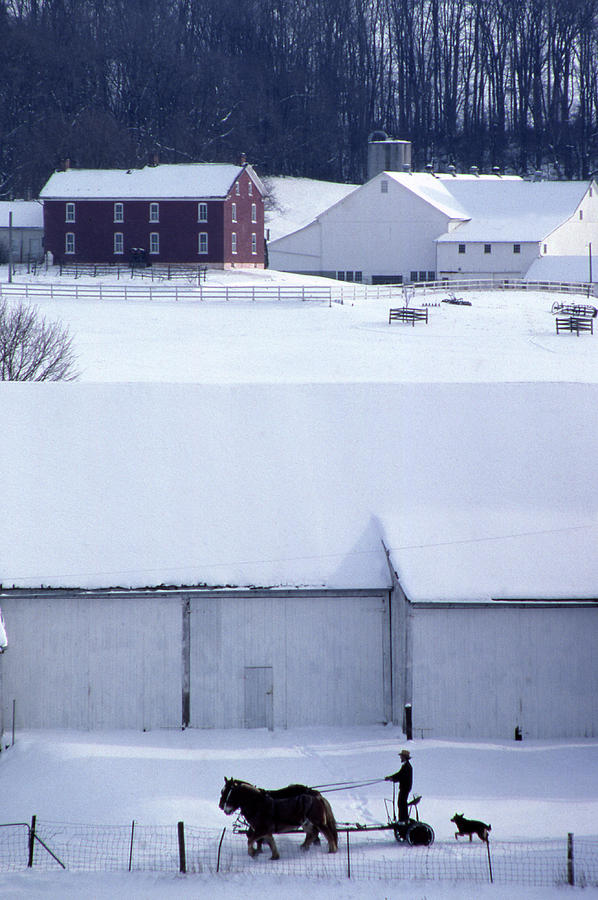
x=330 y=821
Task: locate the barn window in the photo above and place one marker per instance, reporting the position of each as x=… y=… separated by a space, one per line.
x=154 y=242
x=384 y=187
x=414 y=276
x=203 y=242
x=487 y=248
x=154 y=212
x=69 y=242
x=461 y=248
x=581 y=214
x=234 y=212
x=359 y=276
x=70 y=212
x=119 y=242
x=516 y=248
x=234 y=242
x=253 y=212
x=119 y=212
x=202 y=212
x=254 y=243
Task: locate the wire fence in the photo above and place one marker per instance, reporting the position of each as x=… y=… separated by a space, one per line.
x=361 y=856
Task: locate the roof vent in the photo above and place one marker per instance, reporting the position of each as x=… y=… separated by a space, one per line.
x=475 y=171
x=452 y=170
x=496 y=171
x=538 y=175
x=430 y=168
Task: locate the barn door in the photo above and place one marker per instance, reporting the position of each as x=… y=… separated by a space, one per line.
x=259 y=689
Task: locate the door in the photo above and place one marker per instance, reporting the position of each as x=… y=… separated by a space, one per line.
x=259 y=690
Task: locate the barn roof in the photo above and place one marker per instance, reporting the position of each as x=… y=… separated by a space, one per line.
x=161 y=182
x=479 y=490
x=512 y=209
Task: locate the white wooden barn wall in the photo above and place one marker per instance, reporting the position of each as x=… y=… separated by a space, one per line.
x=483 y=671
x=286 y=662
x=93 y=662
x=105 y=661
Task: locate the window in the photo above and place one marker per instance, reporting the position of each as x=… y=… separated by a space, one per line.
x=154 y=212
x=234 y=242
x=250 y=189
x=545 y=248
x=237 y=188
x=461 y=248
x=414 y=276
x=119 y=212
x=384 y=187
x=349 y=276
x=253 y=212
x=423 y=276
x=487 y=248
x=359 y=277
x=340 y=276
x=70 y=212
x=119 y=242
x=581 y=214
x=431 y=276
x=69 y=242
x=154 y=242
x=516 y=248
x=202 y=212
x=234 y=212
x=203 y=242
x=254 y=243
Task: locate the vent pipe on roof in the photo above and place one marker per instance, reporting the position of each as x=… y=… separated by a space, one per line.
x=66 y=164
x=475 y=171
x=496 y=171
x=452 y=171
x=154 y=159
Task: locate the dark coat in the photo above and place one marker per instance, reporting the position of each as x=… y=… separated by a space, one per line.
x=404 y=777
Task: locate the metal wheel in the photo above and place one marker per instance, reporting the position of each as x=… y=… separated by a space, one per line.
x=397 y=833
x=420 y=834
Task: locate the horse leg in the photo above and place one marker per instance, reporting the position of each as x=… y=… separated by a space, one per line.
x=269 y=838
x=311 y=834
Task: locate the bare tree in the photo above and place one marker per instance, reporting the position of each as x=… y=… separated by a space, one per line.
x=33 y=349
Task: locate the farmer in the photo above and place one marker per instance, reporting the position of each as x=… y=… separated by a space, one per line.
x=404 y=778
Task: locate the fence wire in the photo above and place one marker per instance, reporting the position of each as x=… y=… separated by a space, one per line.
x=361 y=856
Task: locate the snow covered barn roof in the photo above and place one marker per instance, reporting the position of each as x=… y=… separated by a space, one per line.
x=480 y=491
x=298 y=201
x=25 y=213
x=160 y=182
x=511 y=209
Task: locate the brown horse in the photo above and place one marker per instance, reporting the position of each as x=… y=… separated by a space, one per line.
x=276 y=812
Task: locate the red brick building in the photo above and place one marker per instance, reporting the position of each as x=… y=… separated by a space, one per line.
x=202 y=213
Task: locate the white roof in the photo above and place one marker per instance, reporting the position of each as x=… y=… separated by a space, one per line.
x=297 y=485
x=502 y=209
x=25 y=213
x=162 y=182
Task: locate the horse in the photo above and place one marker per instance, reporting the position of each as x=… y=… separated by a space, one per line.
x=276 y=812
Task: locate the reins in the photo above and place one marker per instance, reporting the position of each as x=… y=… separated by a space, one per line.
x=344 y=785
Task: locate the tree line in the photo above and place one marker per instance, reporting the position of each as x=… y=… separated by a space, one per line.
x=297 y=85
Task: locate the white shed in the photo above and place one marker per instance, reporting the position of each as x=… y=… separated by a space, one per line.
x=215 y=556
x=27 y=229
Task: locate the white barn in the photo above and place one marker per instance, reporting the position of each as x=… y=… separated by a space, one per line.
x=291 y=555
x=415 y=226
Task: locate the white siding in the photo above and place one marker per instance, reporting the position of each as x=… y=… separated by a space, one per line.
x=480 y=672
x=327 y=656
x=93 y=662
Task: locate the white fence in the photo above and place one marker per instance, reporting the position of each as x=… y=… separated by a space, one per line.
x=57 y=290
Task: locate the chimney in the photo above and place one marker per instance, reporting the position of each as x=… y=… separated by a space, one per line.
x=242 y=160
x=154 y=159
x=66 y=164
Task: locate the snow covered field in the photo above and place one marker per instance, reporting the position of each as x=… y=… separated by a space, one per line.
x=502 y=336
x=527 y=790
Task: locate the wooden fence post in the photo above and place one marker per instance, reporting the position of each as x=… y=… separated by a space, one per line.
x=31 y=842
x=570 y=860
x=182 y=859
